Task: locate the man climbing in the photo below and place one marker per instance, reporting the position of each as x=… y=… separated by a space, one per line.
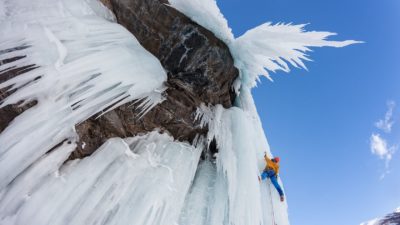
x=271 y=171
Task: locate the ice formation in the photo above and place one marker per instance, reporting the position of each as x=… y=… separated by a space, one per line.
x=207 y=14
x=138 y=180
x=268 y=47
x=85 y=64
x=81 y=63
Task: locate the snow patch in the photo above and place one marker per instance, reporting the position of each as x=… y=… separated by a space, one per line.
x=379 y=221
x=372 y=222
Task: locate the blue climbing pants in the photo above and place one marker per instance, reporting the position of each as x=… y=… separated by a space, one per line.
x=271 y=175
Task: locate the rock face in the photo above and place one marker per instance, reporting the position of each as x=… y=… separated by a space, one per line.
x=9 y=112
x=391 y=219
x=199 y=67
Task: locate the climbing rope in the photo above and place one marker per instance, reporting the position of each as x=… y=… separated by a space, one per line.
x=272 y=204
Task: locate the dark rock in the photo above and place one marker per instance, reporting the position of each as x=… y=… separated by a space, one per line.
x=9 y=112
x=107 y=4
x=391 y=219
x=199 y=66
x=189 y=53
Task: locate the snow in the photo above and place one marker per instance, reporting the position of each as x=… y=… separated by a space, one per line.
x=371 y=222
x=379 y=221
x=2 y=10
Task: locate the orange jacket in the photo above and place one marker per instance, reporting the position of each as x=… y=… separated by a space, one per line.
x=271 y=165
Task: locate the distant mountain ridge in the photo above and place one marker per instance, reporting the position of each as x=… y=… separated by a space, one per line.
x=390 y=219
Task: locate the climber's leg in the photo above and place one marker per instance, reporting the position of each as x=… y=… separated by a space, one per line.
x=274 y=181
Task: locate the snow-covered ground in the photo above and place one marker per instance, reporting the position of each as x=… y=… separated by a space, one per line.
x=371 y=222
x=87 y=63
x=391 y=219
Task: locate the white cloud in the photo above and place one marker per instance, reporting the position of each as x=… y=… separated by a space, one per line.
x=380 y=148
x=379 y=145
x=387 y=123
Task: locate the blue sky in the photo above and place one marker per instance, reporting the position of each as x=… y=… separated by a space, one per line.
x=320 y=121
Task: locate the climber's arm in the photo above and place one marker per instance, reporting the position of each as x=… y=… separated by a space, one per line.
x=267 y=160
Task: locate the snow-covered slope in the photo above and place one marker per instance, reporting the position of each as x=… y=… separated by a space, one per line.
x=390 y=219
x=80 y=64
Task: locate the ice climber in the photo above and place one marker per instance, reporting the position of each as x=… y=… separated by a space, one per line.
x=271 y=171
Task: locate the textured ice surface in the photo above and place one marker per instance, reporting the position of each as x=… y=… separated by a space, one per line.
x=268 y=47
x=271 y=47
x=139 y=180
x=85 y=65
x=207 y=14
x=241 y=143
x=240 y=136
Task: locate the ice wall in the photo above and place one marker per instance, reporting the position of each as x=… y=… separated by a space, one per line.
x=263 y=49
x=238 y=196
x=133 y=181
x=238 y=131
x=84 y=65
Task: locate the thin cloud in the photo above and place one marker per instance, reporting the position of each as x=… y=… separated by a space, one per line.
x=380 y=148
x=387 y=123
x=378 y=144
